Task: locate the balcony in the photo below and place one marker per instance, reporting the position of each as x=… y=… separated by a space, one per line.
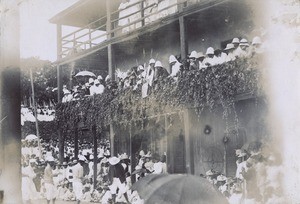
x=99 y=24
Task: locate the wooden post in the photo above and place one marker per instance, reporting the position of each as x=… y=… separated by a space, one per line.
x=35 y=114
x=59 y=40
x=61 y=142
x=76 y=143
x=10 y=101
x=59 y=84
x=111 y=69
x=188 y=146
x=183 y=42
x=112 y=140
x=142 y=13
x=95 y=156
x=166 y=135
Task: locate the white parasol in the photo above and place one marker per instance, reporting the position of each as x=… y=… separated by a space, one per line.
x=31 y=137
x=85 y=73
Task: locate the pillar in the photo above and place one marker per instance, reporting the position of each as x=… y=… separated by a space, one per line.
x=10 y=125
x=183 y=42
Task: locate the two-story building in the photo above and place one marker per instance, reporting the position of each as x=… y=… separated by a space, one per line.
x=121 y=34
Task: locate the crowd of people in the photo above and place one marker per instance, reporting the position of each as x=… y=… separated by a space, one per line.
x=44 y=177
x=257 y=180
x=43 y=114
x=130 y=12
x=146 y=78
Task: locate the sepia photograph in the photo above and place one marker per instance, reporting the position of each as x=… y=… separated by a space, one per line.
x=150 y=101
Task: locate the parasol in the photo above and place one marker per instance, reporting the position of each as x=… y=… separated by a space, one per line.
x=31 y=137
x=175 y=188
x=85 y=74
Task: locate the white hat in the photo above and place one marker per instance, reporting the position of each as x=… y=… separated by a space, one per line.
x=91 y=80
x=158 y=64
x=81 y=158
x=200 y=54
x=244 y=42
x=142 y=153
x=240 y=153
x=235 y=40
x=256 y=41
x=100 y=155
x=148 y=154
x=210 y=173
x=140 y=68
x=221 y=178
x=151 y=61
x=113 y=160
x=99 y=77
x=96 y=81
x=172 y=59
x=123 y=156
x=229 y=46
x=210 y=51
x=67 y=91
x=104 y=160
x=50 y=159
x=107 y=77
x=193 y=54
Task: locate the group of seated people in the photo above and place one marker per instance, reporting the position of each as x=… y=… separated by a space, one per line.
x=130 y=12
x=43 y=114
x=145 y=78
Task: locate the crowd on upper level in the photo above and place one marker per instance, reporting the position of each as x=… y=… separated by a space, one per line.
x=130 y=12
x=145 y=78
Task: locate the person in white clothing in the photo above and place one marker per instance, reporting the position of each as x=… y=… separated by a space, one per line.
x=29 y=191
x=210 y=59
x=229 y=51
x=175 y=66
x=48 y=181
x=77 y=178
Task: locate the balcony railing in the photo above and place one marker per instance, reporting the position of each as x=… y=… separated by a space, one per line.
x=126 y=19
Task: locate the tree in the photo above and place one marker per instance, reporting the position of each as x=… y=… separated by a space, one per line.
x=44 y=78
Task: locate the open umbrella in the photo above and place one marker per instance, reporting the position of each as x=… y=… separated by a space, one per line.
x=175 y=188
x=31 y=137
x=85 y=74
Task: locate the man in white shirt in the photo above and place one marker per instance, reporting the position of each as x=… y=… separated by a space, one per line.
x=77 y=178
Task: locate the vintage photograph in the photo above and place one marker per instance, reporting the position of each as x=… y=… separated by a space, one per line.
x=150 y=101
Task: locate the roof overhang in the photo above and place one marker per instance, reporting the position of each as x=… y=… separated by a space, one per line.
x=83 y=12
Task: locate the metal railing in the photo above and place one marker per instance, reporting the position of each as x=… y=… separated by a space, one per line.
x=137 y=15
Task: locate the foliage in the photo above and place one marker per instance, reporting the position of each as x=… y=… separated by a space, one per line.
x=44 y=77
x=47 y=129
x=215 y=86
